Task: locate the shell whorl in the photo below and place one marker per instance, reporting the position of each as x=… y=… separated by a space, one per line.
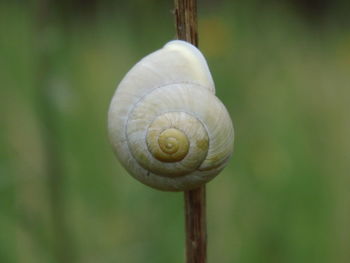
x=167 y=145
x=166 y=125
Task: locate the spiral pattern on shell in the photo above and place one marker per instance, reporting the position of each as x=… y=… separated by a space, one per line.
x=165 y=123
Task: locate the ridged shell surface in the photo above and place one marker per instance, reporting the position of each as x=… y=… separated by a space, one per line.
x=167 y=127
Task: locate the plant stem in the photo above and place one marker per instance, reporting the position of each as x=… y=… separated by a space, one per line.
x=186 y=20
x=48 y=117
x=196 y=228
x=195 y=205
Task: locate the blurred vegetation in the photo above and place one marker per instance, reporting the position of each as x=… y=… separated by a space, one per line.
x=282 y=69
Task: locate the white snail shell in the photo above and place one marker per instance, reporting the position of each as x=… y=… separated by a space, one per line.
x=167 y=127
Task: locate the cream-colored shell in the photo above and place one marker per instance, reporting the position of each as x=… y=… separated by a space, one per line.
x=167 y=127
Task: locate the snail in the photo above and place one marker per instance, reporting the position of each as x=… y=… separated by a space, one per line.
x=166 y=126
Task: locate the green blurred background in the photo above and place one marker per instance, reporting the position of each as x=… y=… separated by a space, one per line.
x=281 y=67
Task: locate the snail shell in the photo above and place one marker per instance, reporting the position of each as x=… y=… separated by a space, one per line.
x=167 y=127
